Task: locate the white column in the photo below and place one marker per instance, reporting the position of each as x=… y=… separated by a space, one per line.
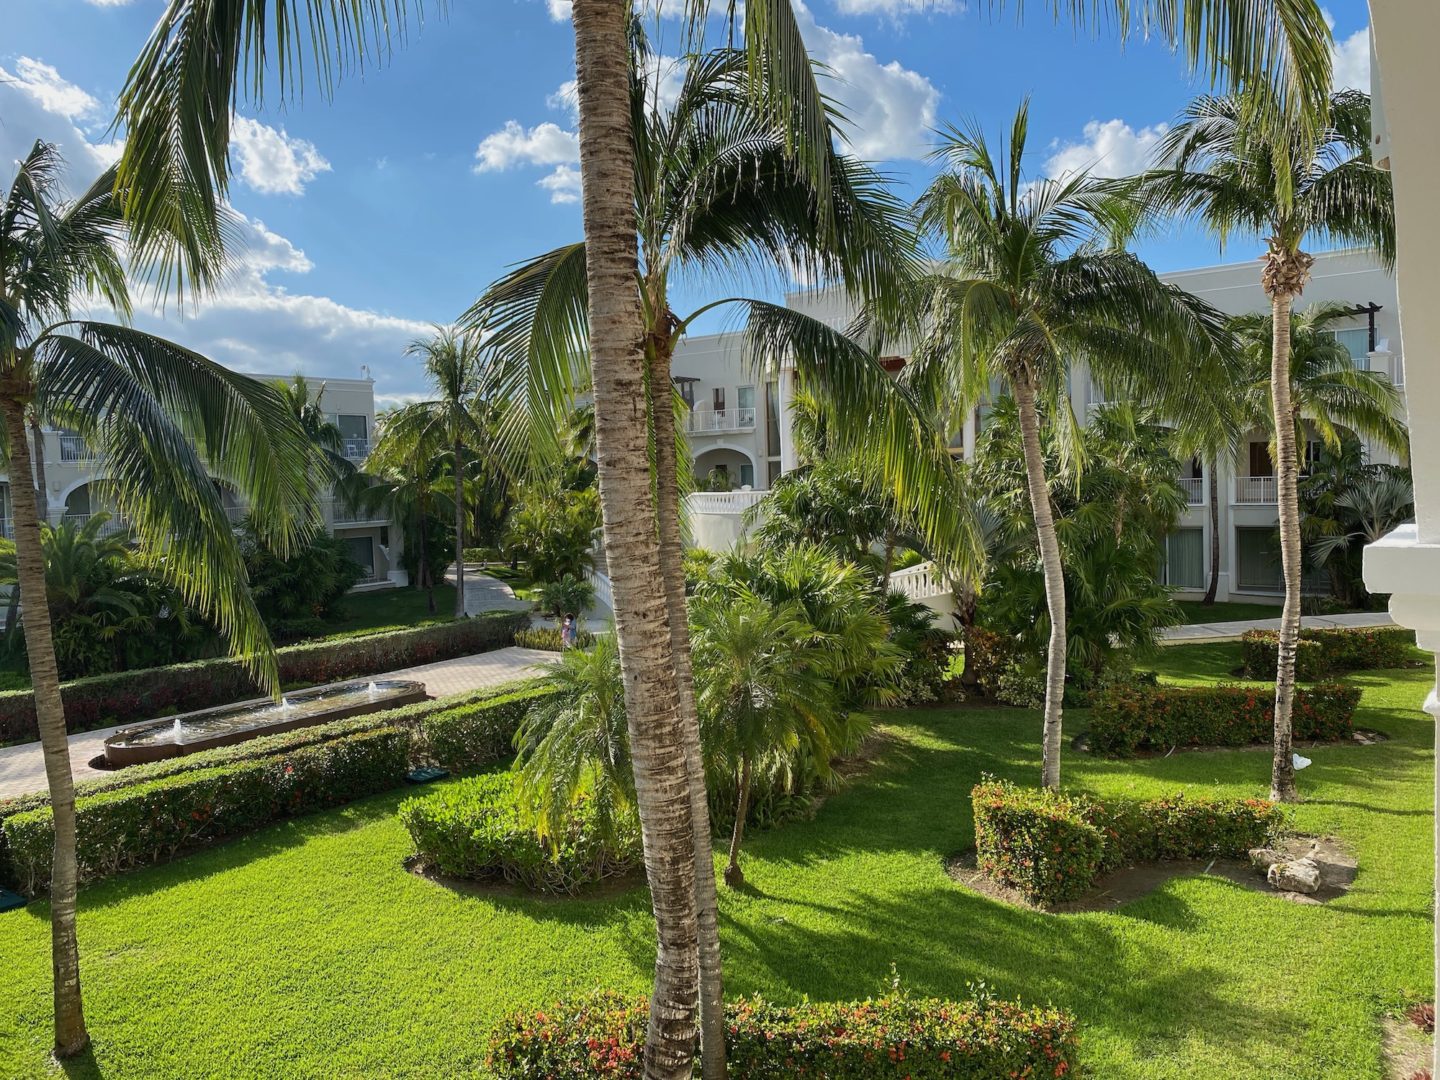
x=1406 y=563
x=788 y=459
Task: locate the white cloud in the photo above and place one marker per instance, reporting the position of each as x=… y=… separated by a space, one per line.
x=34 y=106
x=1110 y=148
x=110 y=3
x=899 y=8
x=891 y=109
x=544 y=144
x=43 y=84
x=560 y=10
x=566 y=98
x=1350 y=62
x=563 y=184
x=271 y=161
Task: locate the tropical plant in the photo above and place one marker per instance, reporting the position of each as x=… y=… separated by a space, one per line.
x=324 y=434
x=157 y=413
x=554 y=530
x=297 y=594
x=1291 y=182
x=568 y=596
x=1029 y=287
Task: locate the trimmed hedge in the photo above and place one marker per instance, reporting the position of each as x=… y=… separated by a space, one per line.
x=132 y=696
x=603 y=1036
x=151 y=821
x=475 y=829
x=477 y=733
x=1127 y=718
x=1051 y=845
x=1323 y=652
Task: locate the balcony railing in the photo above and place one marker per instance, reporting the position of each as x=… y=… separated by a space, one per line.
x=1256 y=490
x=114 y=526
x=341 y=514
x=709 y=419
x=357 y=449
x=1194 y=488
x=75 y=448
x=723 y=502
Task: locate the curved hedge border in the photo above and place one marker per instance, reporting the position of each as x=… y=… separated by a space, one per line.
x=1126 y=718
x=475 y=829
x=603 y=1036
x=1323 y=652
x=1051 y=845
x=131 y=696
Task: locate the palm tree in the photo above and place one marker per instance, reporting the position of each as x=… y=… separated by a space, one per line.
x=157 y=413
x=453 y=365
x=176 y=108
x=1027 y=289
x=1289 y=182
x=324 y=434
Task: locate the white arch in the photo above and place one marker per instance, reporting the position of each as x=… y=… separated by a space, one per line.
x=742 y=451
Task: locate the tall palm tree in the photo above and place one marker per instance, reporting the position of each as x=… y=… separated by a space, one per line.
x=1027 y=288
x=307 y=407
x=156 y=412
x=1290 y=183
x=177 y=105
x=453 y=365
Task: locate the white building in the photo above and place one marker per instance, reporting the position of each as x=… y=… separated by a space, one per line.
x=75 y=475
x=739 y=423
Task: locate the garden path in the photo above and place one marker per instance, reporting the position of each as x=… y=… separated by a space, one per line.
x=22 y=767
x=1231 y=631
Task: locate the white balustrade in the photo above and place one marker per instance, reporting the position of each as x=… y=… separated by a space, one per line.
x=920 y=582
x=707 y=419
x=1194 y=488
x=723 y=502
x=1256 y=490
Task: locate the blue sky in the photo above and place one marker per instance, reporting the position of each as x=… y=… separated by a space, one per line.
x=392 y=205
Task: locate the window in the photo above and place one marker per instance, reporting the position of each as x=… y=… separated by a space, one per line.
x=717 y=399
x=1258 y=561
x=772 y=473
x=1184 y=566
x=1357 y=344
x=687 y=392
x=352 y=427
x=1260 y=463
x=772 y=420
x=747 y=473
x=745 y=397
x=361 y=549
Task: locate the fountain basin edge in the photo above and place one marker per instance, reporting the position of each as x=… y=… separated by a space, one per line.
x=138 y=744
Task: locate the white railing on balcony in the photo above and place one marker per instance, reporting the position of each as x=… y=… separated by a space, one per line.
x=357 y=449
x=74 y=448
x=920 y=582
x=1194 y=488
x=604 y=595
x=112 y=527
x=723 y=502
x=704 y=419
x=341 y=514
x=1256 y=490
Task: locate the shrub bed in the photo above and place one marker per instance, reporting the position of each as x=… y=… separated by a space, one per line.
x=898 y=1037
x=1322 y=652
x=131 y=696
x=1051 y=845
x=1127 y=718
x=475 y=829
x=548 y=637
x=476 y=733
x=150 y=821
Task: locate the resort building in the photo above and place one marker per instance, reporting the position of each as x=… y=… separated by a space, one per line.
x=75 y=477
x=741 y=438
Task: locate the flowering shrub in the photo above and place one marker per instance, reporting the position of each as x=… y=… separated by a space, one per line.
x=130 y=696
x=991 y=654
x=603 y=1035
x=476 y=829
x=1127 y=718
x=151 y=821
x=1323 y=652
x=1051 y=845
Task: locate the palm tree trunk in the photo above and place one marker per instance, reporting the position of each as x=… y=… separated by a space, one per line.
x=1054 y=577
x=888 y=563
x=42 y=493
x=734 y=876
x=617 y=327
x=459 y=535
x=1214 y=586
x=1282 y=777
x=672 y=569
x=423 y=568
x=70 y=1035
x=965 y=615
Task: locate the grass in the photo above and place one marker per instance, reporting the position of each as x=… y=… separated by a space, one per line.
x=307 y=951
x=1195 y=612
x=392 y=607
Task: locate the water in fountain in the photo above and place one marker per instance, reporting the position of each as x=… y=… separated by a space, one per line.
x=177 y=732
x=371 y=690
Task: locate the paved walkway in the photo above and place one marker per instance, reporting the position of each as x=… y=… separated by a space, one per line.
x=1231 y=631
x=22 y=769
x=486 y=593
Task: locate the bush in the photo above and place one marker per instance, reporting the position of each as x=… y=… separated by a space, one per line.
x=476 y=829
x=1052 y=845
x=603 y=1036
x=149 y=822
x=567 y=596
x=1128 y=718
x=129 y=696
x=295 y=595
x=548 y=638
x=1324 y=652
x=477 y=733
x=990 y=654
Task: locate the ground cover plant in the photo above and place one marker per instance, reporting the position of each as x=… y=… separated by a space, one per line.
x=1327 y=651
x=307 y=947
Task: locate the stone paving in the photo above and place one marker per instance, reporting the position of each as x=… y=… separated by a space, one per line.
x=1231 y=631
x=22 y=768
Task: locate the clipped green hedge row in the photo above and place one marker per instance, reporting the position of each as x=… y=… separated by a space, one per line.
x=475 y=829
x=1051 y=845
x=475 y=734
x=132 y=696
x=896 y=1038
x=1126 y=718
x=151 y=821
x=1323 y=652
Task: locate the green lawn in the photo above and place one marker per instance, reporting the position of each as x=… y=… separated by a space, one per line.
x=307 y=951
x=392 y=607
x=1195 y=612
